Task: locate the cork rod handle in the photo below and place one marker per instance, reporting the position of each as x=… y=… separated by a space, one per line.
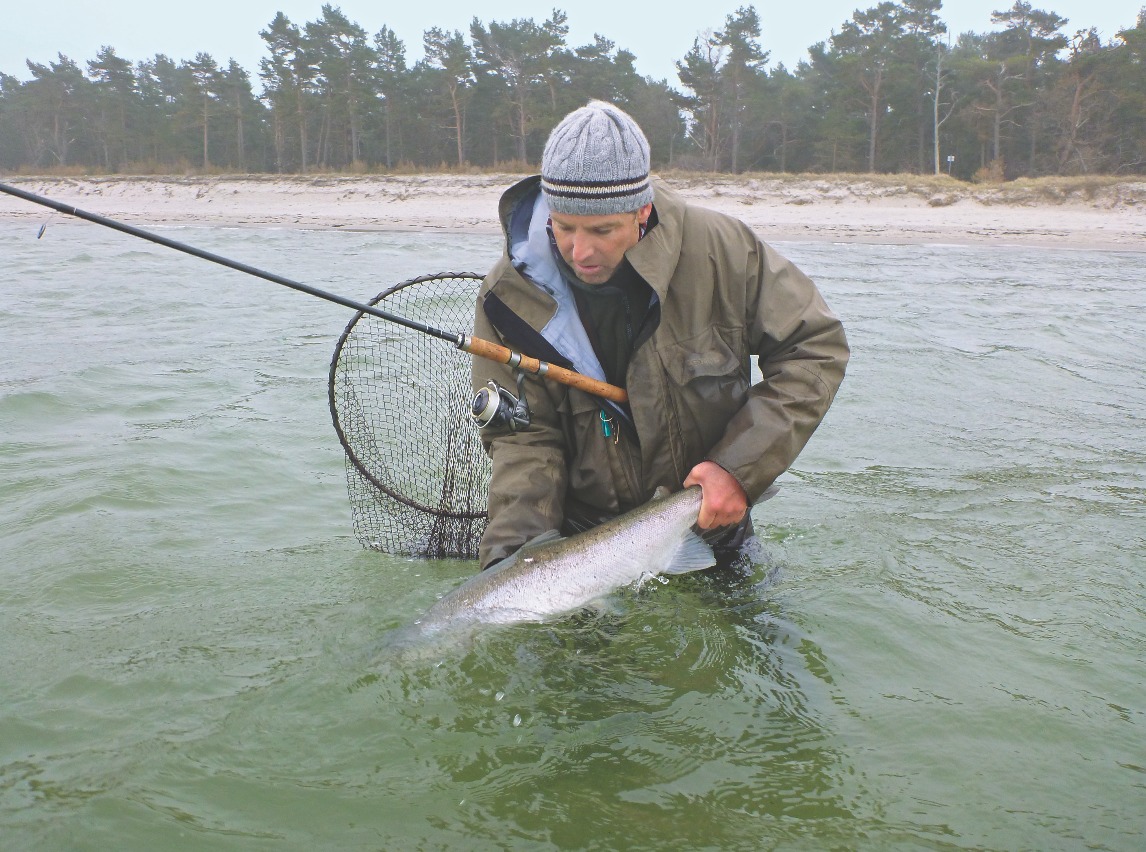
x=503 y=355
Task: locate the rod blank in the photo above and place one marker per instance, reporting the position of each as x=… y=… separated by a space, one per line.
x=466 y=343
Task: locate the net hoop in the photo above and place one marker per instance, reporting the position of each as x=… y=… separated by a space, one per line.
x=377 y=371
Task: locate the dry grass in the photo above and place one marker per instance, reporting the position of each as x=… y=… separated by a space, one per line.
x=790 y=188
x=937 y=190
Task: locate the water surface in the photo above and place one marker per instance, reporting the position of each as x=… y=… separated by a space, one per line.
x=941 y=646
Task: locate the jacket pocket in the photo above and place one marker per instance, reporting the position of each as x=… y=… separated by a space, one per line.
x=592 y=473
x=708 y=384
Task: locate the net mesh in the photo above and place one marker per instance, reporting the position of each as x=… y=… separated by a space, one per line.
x=400 y=399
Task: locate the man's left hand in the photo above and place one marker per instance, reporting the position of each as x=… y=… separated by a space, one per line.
x=723 y=501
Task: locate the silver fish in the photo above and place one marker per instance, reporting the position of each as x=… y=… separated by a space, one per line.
x=551 y=575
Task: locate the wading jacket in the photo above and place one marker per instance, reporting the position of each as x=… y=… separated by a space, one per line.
x=721 y=298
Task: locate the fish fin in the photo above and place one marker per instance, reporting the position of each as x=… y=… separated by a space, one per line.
x=661 y=493
x=693 y=554
x=538 y=540
x=768 y=494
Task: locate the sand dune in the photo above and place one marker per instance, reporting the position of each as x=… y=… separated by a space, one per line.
x=843 y=209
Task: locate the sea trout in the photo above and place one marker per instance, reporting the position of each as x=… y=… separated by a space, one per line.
x=551 y=575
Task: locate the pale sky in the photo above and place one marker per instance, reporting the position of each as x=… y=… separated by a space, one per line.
x=658 y=34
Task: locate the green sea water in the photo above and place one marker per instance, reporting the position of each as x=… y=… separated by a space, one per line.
x=941 y=645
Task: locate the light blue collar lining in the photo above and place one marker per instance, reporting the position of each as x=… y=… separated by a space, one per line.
x=531 y=253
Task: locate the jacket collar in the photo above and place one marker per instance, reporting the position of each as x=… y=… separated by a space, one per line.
x=534 y=304
x=656 y=256
x=512 y=198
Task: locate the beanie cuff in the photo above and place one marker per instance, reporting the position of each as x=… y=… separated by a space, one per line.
x=597 y=198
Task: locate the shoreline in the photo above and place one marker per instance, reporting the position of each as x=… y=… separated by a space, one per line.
x=841 y=209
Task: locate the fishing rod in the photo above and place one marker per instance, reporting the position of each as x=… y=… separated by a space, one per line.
x=465 y=342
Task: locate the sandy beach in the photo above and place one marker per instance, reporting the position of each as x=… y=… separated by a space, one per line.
x=844 y=209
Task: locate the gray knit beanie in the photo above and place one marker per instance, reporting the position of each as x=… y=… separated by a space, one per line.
x=596 y=162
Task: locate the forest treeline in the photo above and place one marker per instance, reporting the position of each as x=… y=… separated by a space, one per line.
x=891 y=90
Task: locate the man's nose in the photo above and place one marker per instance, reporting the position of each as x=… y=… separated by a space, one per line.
x=583 y=247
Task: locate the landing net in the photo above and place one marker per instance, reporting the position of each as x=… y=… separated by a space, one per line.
x=415 y=470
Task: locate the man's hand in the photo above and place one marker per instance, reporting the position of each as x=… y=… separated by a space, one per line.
x=723 y=501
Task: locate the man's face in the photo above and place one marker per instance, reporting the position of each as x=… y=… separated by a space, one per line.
x=594 y=246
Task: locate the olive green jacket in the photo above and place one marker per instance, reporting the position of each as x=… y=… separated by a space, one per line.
x=724 y=298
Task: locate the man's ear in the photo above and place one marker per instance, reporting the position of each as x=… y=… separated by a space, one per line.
x=644 y=213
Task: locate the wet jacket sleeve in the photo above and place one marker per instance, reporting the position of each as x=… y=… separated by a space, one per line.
x=802 y=353
x=528 y=484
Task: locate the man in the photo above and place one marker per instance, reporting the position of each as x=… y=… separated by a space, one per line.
x=614 y=275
